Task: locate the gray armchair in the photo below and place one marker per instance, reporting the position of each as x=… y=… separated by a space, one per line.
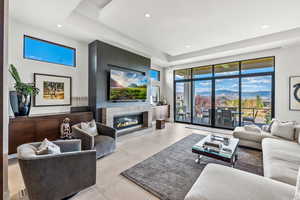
x=104 y=143
x=57 y=176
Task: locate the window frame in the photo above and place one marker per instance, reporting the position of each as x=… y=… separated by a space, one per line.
x=53 y=43
x=214 y=78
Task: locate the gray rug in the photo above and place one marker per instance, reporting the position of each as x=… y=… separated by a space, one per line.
x=170 y=174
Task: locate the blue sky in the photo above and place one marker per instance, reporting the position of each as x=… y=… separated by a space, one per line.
x=44 y=51
x=127 y=78
x=154 y=75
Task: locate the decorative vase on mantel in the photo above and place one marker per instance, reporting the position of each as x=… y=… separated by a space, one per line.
x=20 y=100
x=20 y=103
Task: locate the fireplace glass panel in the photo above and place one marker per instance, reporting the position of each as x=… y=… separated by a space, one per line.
x=126 y=121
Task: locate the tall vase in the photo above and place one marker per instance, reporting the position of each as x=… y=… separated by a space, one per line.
x=20 y=104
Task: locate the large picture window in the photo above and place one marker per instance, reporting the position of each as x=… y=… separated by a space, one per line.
x=226 y=95
x=41 y=50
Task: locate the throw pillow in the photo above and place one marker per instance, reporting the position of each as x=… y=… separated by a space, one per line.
x=270 y=126
x=48 y=147
x=252 y=128
x=285 y=130
x=90 y=127
x=297 y=192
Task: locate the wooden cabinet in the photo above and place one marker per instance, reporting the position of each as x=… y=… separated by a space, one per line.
x=36 y=128
x=161 y=112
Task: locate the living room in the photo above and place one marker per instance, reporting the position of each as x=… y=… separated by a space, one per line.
x=110 y=99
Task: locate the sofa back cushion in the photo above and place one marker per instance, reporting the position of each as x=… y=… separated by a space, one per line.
x=284 y=130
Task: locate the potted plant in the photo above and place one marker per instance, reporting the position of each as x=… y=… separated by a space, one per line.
x=21 y=98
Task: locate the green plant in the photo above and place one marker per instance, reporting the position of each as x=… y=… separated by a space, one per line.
x=22 y=88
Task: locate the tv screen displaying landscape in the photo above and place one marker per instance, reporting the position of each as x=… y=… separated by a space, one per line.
x=127 y=86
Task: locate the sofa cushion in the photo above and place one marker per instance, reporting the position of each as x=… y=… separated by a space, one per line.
x=252 y=128
x=281 y=160
x=297 y=192
x=218 y=182
x=241 y=133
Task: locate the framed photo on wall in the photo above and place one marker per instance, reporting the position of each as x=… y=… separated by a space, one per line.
x=295 y=93
x=54 y=90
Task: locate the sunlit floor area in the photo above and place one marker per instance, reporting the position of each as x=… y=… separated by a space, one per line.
x=131 y=149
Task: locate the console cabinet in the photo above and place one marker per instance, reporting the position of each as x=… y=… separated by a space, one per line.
x=161 y=112
x=36 y=128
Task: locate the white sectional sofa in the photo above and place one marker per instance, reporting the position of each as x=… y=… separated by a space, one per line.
x=218 y=182
x=281 y=162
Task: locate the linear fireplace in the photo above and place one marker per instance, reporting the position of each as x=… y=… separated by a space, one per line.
x=127 y=121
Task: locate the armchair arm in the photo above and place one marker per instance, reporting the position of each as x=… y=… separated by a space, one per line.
x=106 y=130
x=87 y=140
x=58 y=171
x=68 y=145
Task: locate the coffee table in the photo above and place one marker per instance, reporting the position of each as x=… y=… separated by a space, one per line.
x=230 y=157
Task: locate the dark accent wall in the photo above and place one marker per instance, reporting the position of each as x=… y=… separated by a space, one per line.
x=102 y=58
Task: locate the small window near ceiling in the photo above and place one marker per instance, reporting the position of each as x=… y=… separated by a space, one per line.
x=202 y=72
x=182 y=74
x=45 y=51
x=227 y=69
x=155 y=75
x=259 y=65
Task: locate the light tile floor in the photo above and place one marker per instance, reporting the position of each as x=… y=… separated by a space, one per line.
x=131 y=149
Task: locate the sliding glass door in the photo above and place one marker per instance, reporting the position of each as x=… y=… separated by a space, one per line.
x=256 y=100
x=202 y=107
x=226 y=95
x=227 y=102
x=183 y=101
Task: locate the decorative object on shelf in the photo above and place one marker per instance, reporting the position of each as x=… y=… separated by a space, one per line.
x=295 y=93
x=162 y=101
x=65 y=129
x=21 y=98
x=55 y=90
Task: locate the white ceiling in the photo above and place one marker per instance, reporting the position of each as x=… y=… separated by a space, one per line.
x=206 y=26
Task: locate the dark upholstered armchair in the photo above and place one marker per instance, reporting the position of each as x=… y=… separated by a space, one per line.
x=104 y=143
x=57 y=176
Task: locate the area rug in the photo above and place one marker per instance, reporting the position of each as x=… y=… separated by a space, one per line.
x=170 y=173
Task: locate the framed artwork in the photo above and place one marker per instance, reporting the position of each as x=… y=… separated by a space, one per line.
x=54 y=90
x=295 y=93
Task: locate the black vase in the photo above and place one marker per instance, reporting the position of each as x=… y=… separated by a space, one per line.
x=20 y=104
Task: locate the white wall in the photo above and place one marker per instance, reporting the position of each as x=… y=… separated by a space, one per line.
x=27 y=67
x=287 y=63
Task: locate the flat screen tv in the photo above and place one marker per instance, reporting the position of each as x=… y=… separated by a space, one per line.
x=127 y=86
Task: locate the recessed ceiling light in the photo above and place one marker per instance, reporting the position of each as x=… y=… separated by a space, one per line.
x=265 y=26
x=147 y=15
x=187 y=46
x=59 y=25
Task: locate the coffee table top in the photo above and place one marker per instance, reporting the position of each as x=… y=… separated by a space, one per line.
x=232 y=145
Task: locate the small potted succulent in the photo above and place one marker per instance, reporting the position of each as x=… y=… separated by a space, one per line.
x=20 y=99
